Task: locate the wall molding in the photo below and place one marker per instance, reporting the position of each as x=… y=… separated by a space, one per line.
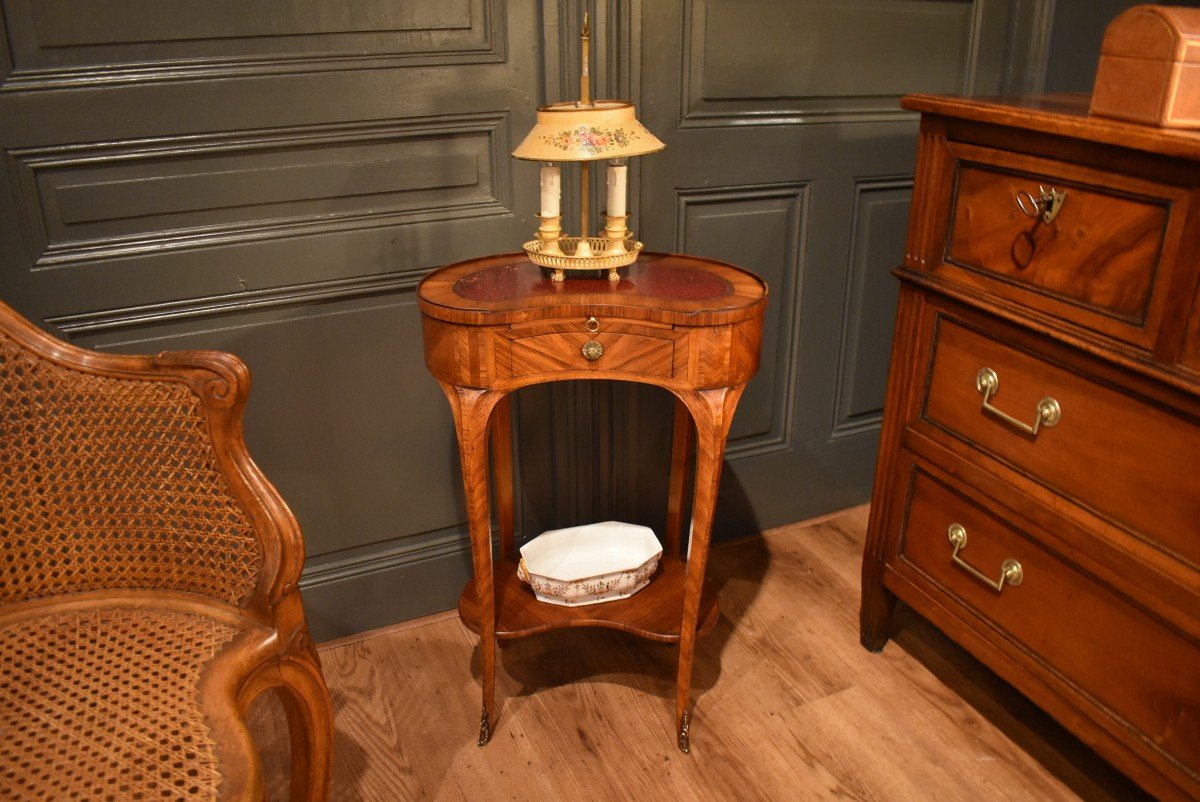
x=781 y=434
x=699 y=111
x=393 y=581
x=28 y=164
x=385 y=557
x=486 y=43
x=845 y=424
x=215 y=306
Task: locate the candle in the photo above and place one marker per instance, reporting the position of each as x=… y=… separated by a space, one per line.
x=551 y=190
x=616 y=188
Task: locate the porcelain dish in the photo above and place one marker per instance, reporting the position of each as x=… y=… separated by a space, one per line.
x=589 y=564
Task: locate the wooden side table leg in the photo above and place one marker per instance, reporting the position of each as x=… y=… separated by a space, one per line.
x=502 y=471
x=713 y=412
x=682 y=430
x=472 y=409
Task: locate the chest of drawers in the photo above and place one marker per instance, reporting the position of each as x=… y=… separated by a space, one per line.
x=1036 y=493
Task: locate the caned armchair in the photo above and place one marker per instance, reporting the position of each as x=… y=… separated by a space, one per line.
x=148 y=582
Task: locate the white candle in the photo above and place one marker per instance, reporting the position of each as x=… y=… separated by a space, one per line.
x=616 y=188
x=551 y=190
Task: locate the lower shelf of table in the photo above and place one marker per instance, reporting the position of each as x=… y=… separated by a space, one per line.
x=654 y=612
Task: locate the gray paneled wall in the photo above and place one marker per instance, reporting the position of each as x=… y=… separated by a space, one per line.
x=787 y=153
x=274 y=179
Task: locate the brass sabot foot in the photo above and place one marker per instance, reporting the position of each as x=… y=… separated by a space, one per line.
x=485 y=731
x=685 y=745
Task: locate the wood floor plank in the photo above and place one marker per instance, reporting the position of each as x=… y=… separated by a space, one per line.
x=788 y=705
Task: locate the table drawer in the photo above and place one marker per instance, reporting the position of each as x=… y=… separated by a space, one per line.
x=1099 y=262
x=1122 y=457
x=1093 y=639
x=632 y=348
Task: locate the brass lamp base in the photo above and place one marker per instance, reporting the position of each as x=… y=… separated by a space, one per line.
x=583 y=253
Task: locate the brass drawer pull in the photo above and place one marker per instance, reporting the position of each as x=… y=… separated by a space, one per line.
x=1049 y=412
x=1010 y=570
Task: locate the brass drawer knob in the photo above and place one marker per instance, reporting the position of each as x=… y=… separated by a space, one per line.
x=1048 y=410
x=1010 y=570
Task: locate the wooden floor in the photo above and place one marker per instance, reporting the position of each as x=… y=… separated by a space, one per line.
x=788 y=704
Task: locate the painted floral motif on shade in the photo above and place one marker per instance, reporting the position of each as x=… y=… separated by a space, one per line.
x=590 y=139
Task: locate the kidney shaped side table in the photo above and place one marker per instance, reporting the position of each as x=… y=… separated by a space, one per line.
x=495 y=324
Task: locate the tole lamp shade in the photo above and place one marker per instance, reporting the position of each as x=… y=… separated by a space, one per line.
x=576 y=132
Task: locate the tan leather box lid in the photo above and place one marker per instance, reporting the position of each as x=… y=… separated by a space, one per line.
x=1149 y=68
x=1160 y=33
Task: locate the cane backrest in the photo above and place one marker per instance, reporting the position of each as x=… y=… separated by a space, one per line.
x=111 y=483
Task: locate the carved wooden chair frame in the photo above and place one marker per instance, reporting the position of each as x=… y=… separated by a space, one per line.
x=273 y=649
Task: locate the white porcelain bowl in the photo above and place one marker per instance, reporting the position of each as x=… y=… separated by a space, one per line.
x=589 y=564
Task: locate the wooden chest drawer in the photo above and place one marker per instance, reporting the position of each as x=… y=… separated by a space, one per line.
x=1073 y=453
x=1104 y=260
x=1120 y=456
x=553 y=347
x=1090 y=638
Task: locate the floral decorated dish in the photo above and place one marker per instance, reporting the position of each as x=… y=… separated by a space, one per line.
x=589 y=564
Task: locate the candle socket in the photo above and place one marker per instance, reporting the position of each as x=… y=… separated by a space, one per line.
x=616 y=232
x=549 y=232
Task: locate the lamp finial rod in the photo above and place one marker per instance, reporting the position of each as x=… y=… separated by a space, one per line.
x=585 y=94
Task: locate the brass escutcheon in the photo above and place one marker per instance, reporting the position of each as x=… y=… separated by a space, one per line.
x=592 y=350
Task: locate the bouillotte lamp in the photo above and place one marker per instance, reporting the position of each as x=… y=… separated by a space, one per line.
x=585 y=131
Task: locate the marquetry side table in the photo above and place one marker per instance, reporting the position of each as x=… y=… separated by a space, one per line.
x=492 y=325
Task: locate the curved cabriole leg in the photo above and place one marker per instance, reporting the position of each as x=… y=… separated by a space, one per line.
x=682 y=432
x=310 y=727
x=472 y=410
x=295 y=674
x=712 y=411
x=500 y=427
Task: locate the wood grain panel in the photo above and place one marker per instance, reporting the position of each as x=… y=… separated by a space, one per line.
x=550 y=353
x=1128 y=682
x=877 y=241
x=91 y=202
x=61 y=43
x=807 y=58
x=1141 y=446
x=1102 y=250
x=759 y=228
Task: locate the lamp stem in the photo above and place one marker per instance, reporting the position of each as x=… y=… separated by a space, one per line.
x=583 y=200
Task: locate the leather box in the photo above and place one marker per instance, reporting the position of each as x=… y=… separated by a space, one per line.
x=1149 y=69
